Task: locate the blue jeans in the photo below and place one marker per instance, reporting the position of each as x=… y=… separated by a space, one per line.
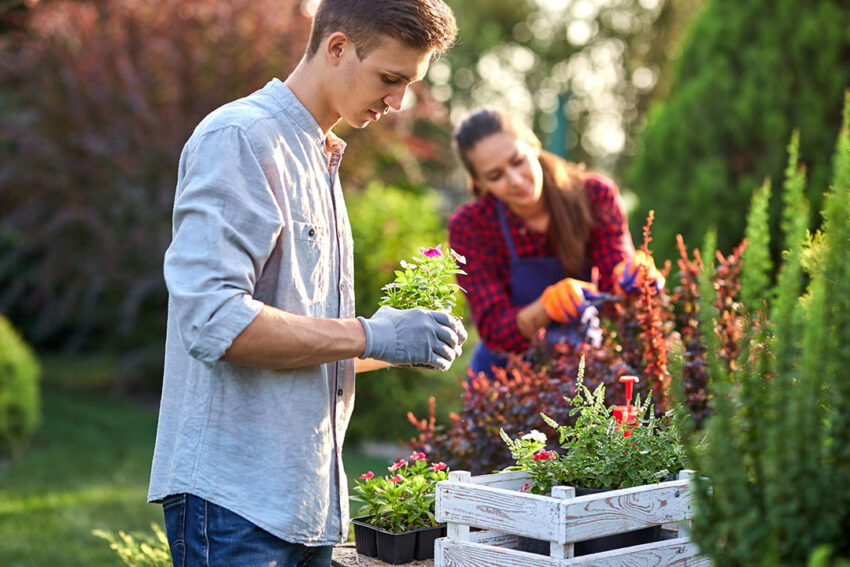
x=201 y=534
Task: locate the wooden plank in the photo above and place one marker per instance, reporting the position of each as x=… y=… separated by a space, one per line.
x=494 y=538
x=670 y=553
x=502 y=510
x=625 y=510
x=453 y=553
x=513 y=480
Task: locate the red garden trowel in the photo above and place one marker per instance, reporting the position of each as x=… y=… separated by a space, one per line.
x=627 y=415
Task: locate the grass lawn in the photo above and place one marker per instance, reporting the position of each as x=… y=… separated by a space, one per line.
x=87 y=468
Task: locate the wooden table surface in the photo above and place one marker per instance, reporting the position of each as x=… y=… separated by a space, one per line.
x=346 y=556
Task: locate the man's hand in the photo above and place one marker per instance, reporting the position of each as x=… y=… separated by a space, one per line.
x=629 y=274
x=564 y=301
x=414 y=337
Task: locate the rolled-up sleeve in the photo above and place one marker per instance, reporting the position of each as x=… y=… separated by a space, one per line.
x=226 y=223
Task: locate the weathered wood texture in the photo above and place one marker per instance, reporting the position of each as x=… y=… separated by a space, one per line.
x=671 y=553
x=494 y=503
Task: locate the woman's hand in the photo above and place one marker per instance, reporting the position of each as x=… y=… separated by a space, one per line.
x=630 y=273
x=565 y=301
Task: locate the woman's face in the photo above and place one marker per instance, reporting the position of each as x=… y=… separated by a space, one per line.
x=509 y=169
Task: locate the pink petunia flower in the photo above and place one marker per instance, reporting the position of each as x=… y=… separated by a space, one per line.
x=367 y=476
x=527 y=484
x=397 y=465
x=438 y=466
x=431 y=252
x=543 y=455
x=417 y=456
x=396 y=478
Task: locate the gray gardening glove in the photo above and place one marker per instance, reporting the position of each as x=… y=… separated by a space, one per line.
x=413 y=337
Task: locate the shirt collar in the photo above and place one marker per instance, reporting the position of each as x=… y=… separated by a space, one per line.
x=330 y=144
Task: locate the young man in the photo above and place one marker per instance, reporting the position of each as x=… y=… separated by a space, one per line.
x=259 y=370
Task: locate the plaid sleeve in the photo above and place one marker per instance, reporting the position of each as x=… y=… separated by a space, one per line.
x=474 y=232
x=610 y=240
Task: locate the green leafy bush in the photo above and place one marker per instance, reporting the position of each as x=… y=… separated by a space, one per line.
x=771 y=489
x=20 y=403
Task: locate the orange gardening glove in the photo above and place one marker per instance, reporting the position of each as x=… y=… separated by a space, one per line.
x=564 y=301
x=629 y=274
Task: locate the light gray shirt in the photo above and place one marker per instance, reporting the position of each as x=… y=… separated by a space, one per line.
x=259 y=218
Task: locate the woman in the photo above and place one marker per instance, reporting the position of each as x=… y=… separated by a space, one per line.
x=542 y=238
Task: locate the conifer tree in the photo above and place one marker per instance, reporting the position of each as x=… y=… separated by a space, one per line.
x=749 y=73
x=774 y=470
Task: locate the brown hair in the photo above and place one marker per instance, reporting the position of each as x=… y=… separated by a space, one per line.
x=563 y=184
x=421 y=24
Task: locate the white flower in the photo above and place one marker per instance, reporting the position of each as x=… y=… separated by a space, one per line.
x=535 y=435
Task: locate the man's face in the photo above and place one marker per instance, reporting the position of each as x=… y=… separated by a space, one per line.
x=371 y=87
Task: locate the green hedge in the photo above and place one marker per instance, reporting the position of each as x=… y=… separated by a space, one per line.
x=20 y=408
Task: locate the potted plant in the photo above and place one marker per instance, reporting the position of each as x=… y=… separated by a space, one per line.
x=426 y=282
x=599 y=453
x=397 y=523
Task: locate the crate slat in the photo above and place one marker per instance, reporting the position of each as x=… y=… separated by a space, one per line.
x=625 y=510
x=453 y=553
x=679 y=552
x=502 y=510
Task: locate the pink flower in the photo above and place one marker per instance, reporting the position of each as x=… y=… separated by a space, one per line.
x=431 y=252
x=527 y=484
x=438 y=466
x=396 y=478
x=367 y=476
x=397 y=465
x=543 y=455
x=417 y=456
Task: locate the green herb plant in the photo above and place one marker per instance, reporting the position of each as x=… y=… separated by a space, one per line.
x=426 y=281
x=404 y=501
x=595 y=452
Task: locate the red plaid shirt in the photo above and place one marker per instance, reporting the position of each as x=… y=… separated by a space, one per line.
x=475 y=232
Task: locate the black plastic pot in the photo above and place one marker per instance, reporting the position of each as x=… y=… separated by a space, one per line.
x=396 y=548
x=425 y=538
x=364 y=536
x=599 y=544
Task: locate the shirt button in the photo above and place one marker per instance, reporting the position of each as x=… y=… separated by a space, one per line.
x=339 y=392
x=312 y=232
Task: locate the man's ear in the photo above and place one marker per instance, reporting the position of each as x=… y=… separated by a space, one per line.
x=335 y=47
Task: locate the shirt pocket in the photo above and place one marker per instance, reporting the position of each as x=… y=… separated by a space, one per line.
x=310 y=261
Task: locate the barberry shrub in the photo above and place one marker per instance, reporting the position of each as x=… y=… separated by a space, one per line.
x=773 y=472
x=20 y=400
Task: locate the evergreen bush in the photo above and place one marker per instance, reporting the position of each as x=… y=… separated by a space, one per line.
x=748 y=74
x=20 y=403
x=773 y=475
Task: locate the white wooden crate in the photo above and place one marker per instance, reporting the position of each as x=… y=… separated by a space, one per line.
x=494 y=504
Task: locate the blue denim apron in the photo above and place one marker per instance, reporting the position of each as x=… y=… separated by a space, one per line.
x=529 y=277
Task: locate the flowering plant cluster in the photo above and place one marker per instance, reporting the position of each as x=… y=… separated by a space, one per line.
x=403 y=500
x=596 y=452
x=426 y=282
x=530 y=454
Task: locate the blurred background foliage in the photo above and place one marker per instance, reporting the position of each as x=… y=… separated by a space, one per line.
x=98 y=97
x=749 y=74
